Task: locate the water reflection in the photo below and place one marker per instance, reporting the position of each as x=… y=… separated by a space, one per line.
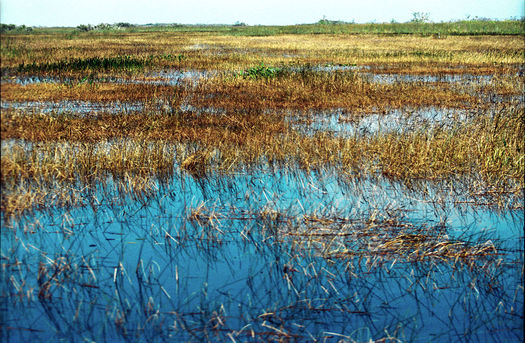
x=341 y=123
x=166 y=77
x=258 y=256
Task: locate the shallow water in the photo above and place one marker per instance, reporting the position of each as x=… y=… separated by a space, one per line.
x=398 y=121
x=84 y=108
x=173 y=77
x=201 y=258
x=167 y=77
x=263 y=254
x=73 y=107
x=448 y=78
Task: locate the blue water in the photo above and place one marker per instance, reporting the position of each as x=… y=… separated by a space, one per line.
x=228 y=256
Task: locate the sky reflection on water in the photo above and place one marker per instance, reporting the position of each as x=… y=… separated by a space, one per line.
x=201 y=258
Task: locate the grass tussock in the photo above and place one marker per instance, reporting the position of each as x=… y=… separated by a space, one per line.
x=86 y=64
x=62 y=162
x=488 y=147
x=326 y=90
x=95 y=92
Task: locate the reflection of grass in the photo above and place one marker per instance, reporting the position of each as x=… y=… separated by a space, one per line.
x=47 y=175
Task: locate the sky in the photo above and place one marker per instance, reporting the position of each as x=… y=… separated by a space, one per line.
x=251 y=12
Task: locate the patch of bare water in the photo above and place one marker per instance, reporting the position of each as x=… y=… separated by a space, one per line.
x=448 y=78
x=73 y=107
x=347 y=124
x=239 y=255
x=167 y=77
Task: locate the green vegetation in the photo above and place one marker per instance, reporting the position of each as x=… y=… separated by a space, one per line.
x=261 y=71
x=86 y=64
x=419 y=25
x=466 y=27
x=11 y=28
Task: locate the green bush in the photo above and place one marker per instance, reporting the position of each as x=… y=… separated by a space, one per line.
x=261 y=71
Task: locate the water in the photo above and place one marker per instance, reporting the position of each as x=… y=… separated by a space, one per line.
x=85 y=108
x=167 y=77
x=262 y=254
x=341 y=123
x=73 y=107
x=447 y=78
x=174 y=77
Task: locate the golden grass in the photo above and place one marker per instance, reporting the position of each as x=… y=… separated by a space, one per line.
x=326 y=91
x=491 y=145
x=98 y=92
x=377 y=239
x=68 y=161
x=489 y=148
x=213 y=51
x=252 y=128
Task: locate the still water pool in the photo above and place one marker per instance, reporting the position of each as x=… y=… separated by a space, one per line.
x=265 y=254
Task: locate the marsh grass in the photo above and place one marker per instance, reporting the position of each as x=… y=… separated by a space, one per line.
x=306 y=89
x=86 y=64
x=469 y=54
x=488 y=148
x=292 y=235
x=489 y=144
x=91 y=91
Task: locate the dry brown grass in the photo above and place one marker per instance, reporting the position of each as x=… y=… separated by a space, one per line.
x=326 y=91
x=98 y=92
x=252 y=129
x=214 y=51
x=488 y=149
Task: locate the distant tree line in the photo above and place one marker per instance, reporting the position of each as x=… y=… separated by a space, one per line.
x=14 y=28
x=104 y=26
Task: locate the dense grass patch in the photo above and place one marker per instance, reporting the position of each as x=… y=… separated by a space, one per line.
x=87 y=64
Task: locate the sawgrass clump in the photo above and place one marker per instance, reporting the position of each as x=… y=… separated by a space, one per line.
x=325 y=90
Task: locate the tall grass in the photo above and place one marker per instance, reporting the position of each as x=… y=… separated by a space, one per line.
x=488 y=148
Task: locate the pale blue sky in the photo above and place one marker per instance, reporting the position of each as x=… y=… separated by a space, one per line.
x=269 y=12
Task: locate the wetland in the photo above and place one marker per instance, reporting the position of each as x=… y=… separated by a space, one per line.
x=228 y=186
